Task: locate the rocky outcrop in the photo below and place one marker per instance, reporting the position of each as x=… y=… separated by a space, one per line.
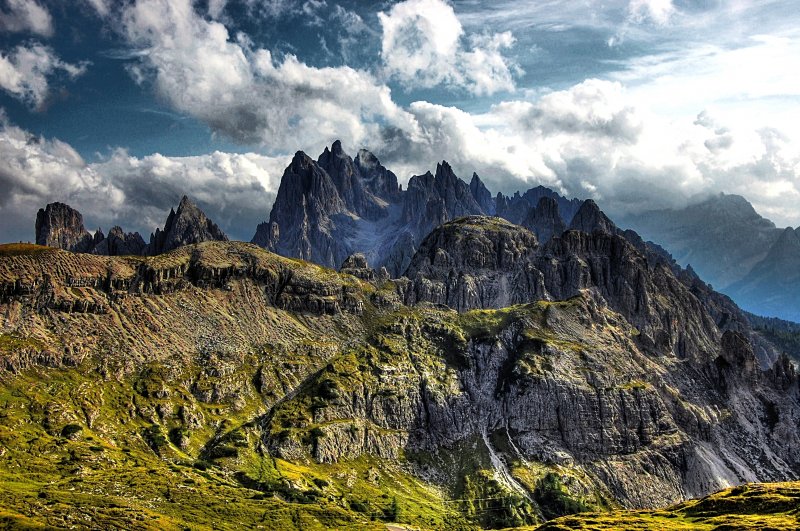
x=120 y=243
x=61 y=226
x=356 y=265
x=545 y=220
x=308 y=216
x=186 y=226
x=590 y=218
x=58 y=225
x=474 y=262
x=481 y=194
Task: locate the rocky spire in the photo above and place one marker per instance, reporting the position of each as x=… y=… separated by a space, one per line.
x=349 y=183
x=430 y=200
x=544 y=220
x=59 y=225
x=185 y=226
x=300 y=223
x=590 y=218
x=119 y=243
x=481 y=194
x=377 y=179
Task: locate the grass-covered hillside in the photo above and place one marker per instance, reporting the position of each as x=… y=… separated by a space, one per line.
x=222 y=387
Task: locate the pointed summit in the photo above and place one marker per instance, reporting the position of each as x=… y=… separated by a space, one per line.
x=186 y=226
x=590 y=218
x=377 y=179
x=481 y=194
x=349 y=183
x=544 y=220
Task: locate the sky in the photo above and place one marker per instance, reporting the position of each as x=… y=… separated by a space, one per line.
x=118 y=108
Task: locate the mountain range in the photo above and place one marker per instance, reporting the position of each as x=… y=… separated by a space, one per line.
x=515 y=372
x=61 y=226
x=502 y=382
x=734 y=248
x=328 y=209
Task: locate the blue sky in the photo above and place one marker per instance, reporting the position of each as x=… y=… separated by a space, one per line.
x=119 y=108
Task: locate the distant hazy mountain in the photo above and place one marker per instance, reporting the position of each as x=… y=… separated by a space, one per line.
x=772 y=287
x=734 y=248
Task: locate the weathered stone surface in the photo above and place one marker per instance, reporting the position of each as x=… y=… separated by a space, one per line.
x=61 y=226
x=544 y=220
x=120 y=243
x=186 y=226
x=58 y=225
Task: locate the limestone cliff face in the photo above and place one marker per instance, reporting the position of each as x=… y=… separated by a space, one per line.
x=559 y=383
x=475 y=262
x=545 y=220
x=60 y=226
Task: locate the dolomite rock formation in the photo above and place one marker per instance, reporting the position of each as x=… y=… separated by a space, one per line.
x=61 y=226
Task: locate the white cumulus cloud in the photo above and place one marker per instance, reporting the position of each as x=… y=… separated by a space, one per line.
x=245 y=92
x=26 y=16
x=423 y=45
x=25 y=72
x=236 y=190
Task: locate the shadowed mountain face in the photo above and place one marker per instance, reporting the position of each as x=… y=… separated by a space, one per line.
x=61 y=226
x=772 y=287
x=186 y=226
x=263 y=382
x=735 y=249
x=328 y=209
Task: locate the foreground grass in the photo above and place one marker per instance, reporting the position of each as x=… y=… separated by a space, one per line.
x=773 y=506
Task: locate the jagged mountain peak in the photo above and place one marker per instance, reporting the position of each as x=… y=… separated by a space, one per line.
x=545 y=220
x=189 y=224
x=444 y=170
x=481 y=194
x=590 y=218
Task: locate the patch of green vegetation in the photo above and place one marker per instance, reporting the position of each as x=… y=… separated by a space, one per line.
x=635 y=385
x=488 y=504
x=22 y=249
x=12 y=342
x=553 y=498
x=773 y=506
